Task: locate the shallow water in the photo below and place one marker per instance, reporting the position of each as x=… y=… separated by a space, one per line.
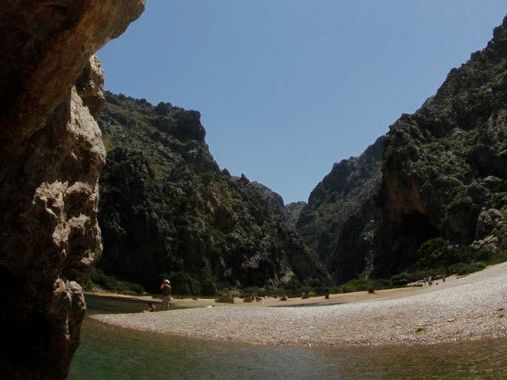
x=114 y=353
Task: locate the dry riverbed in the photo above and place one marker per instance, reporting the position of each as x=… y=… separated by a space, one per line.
x=468 y=308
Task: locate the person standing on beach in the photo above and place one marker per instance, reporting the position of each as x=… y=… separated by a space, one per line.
x=166 y=291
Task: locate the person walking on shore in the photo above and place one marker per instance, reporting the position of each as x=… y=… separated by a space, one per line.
x=166 y=291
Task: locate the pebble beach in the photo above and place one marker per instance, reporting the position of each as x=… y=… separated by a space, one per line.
x=467 y=308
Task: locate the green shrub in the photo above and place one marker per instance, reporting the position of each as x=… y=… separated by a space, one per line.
x=225 y=299
x=405 y=278
x=436 y=252
x=208 y=288
x=359 y=285
x=401 y=279
x=99 y=279
x=466 y=268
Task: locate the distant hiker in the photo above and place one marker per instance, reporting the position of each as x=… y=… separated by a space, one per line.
x=151 y=307
x=166 y=291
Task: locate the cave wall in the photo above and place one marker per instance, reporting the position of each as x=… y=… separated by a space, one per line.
x=51 y=154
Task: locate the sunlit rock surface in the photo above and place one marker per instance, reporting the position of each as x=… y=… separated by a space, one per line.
x=51 y=156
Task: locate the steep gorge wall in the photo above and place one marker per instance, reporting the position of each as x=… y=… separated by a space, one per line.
x=438 y=177
x=167 y=210
x=51 y=155
x=445 y=167
x=339 y=219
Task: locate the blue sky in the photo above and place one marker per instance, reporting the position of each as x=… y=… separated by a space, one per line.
x=288 y=87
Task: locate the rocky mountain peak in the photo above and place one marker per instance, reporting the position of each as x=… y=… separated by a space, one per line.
x=167 y=210
x=436 y=161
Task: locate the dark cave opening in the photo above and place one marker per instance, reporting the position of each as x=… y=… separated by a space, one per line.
x=414 y=229
x=417 y=226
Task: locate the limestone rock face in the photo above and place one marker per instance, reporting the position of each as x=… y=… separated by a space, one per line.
x=438 y=178
x=445 y=167
x=273 y=199
x=167 y=210
x=339 y=219
x=293 y=211
x=51 y=156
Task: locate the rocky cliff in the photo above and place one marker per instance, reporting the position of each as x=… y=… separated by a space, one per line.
x=51 y=155
x=432 y=192
x=445 y=167
x=339 y=219
x=167 y=210
x=293 y=211
x=273 y=199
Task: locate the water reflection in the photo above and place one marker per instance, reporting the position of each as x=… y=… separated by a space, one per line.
x=114 y=353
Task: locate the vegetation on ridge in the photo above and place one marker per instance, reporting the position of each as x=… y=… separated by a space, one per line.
x=433 y=197
x=429 y=197
x=167 y=210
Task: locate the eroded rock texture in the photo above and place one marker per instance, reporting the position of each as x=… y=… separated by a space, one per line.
x=51 y=155
x=167 y=210
x=437 y=182
x=445 y=167
x=339 y=219
x=293 y=211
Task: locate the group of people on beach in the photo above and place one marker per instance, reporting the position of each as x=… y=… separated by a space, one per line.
x=430 y=279
x=166 y=291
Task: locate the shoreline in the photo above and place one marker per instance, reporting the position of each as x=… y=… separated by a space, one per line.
x=465 y=309
x=195 y=302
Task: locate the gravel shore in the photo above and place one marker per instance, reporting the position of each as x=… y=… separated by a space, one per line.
x=468 y=308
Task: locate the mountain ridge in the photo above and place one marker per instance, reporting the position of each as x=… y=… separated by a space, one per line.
x=167 y=210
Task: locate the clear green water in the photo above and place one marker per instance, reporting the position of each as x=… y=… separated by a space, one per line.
x=114 y=353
